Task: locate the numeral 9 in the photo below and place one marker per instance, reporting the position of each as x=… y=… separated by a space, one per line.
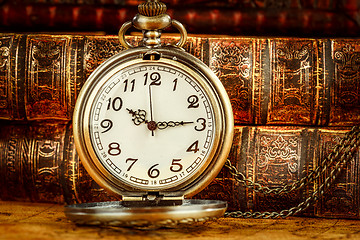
x=106 y=123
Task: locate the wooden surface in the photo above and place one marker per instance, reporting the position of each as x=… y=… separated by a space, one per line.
x=47 y=221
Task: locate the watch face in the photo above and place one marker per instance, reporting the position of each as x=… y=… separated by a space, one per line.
x=152 y=124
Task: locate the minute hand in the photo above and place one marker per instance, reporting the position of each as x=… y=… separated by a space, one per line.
x=163 y=125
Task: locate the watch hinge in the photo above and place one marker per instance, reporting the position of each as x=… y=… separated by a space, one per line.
x=152 y=199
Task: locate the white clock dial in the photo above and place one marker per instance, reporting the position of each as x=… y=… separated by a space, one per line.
x=152 y=125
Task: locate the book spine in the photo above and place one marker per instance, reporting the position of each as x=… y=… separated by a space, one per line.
x=38 y=163
x=289 y=81
x=270 y=81
x=278 y=156
x=41 y=75
x=342 y=200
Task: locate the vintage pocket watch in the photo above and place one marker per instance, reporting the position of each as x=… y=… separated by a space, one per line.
x=154 y=125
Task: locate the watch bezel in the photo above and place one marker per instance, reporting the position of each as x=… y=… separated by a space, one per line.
x=218 y=98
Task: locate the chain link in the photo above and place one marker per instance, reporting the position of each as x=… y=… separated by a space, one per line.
x=340 y=156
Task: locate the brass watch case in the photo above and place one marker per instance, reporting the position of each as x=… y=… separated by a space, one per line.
x=213 y=89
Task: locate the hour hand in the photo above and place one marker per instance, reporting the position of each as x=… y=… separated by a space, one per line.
x=163 y=125
x=138 y=117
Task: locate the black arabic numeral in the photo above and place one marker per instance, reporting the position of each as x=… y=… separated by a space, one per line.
x=175 y=84
x=154 y=77
x=114 y=149
x=153 y=172
x=132 y=164
x=194 y=147
x=109 y=104
x=107 y=124
x=193 y=101
x=132 y=85
x=202 y=123
x=115 y=104
x=146 y=78
x=176 y=166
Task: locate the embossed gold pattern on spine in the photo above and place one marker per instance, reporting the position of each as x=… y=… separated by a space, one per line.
x=38 y=163
x=49 y=162
x=262 y=76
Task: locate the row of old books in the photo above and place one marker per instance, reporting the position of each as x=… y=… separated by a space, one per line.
x=270 y=81
x=245 y=17
x=293 y=100
x=38 y=163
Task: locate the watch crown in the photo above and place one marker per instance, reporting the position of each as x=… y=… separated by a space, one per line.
x=152 y=8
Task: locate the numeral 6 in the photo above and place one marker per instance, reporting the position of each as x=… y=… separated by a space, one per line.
x=153 y=172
